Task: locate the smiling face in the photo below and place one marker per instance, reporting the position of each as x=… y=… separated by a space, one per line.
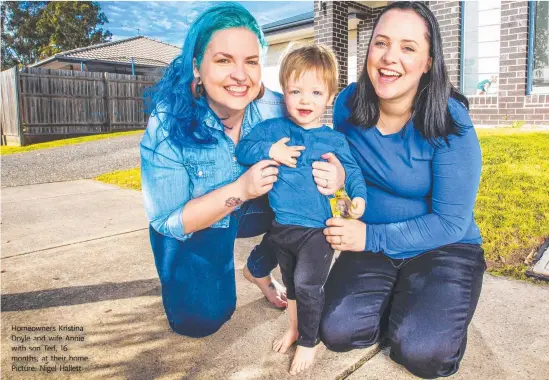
x=306 y=98
x=398 y=55
x=230 y=70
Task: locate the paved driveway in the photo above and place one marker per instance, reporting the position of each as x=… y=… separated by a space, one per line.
x=71 y=162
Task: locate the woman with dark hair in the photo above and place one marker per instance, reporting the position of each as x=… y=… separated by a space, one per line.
x=411 y=269
x=198 y=198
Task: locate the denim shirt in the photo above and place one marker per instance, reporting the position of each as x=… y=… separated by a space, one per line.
x=171 y=176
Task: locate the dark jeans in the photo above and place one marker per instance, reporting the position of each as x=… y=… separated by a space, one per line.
x=197 y=275
x=304 y=257
x=422 y=305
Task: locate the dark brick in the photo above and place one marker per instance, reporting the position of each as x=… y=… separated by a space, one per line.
x=516 y=80
x=507 y=99
x=511 y=105
x=482 y=117
x=490 y=111
x=517 y=92
x=509 y=37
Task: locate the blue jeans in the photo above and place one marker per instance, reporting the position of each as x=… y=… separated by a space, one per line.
x=421 y=305
x=198 y=276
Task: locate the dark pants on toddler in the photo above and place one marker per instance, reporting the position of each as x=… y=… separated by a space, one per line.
x=421 y=305
x=304 y=257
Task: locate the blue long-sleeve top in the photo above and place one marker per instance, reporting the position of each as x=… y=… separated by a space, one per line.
x=295 y=198
x=419 y=197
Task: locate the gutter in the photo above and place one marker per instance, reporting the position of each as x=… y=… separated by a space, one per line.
x=278 y=28
x=88 y=60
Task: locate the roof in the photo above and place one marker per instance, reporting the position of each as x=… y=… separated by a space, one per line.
x=302 y=19
x=307 y=19
x=144 y=50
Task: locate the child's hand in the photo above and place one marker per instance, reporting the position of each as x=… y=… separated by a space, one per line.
x=357 y=208
x=284 y=154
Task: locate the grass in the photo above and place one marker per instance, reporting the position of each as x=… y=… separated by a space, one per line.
x=5 y=150
x=512 y=208
x=127 y=179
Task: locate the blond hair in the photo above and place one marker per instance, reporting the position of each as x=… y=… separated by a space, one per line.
x=312 y=57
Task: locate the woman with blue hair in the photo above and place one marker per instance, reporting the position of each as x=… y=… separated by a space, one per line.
x=198 y=198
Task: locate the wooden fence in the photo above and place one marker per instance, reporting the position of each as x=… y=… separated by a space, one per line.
x=9 y=120
x=44 y=104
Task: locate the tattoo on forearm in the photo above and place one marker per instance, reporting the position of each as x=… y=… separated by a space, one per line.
x=233 y=202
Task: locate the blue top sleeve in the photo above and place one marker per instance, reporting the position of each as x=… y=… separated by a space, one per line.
x=164 y=181
x=255 y=146
x=354 y=180
x=456 y=173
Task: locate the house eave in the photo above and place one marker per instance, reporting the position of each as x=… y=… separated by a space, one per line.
x=290 y=26
x=89 y=60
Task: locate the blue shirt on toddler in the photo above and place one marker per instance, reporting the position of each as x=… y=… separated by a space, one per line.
x=295 y=198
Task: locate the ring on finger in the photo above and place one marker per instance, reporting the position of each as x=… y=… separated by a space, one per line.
x=326 y=185
x=263 y=173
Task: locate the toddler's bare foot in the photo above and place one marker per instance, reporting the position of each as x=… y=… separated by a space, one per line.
x=273 y=291
x=282 y=344
x=303 y=359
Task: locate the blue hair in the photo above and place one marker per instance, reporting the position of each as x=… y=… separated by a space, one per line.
x=171 y=96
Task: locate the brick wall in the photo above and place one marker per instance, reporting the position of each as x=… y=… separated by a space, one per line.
x=510 y=104
x=331 y=30
x=448 y=14
x=364 y=32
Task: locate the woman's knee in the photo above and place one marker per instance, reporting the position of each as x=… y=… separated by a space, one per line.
x=198 y=324
x=197 y=327
x=197 y=312
x=429 y=357
x=340 y=332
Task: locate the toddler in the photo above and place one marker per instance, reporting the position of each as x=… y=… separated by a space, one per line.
x=309 y=78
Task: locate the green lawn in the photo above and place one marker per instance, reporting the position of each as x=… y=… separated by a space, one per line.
x=512 y=208
x=5 y=150
x=128 y=179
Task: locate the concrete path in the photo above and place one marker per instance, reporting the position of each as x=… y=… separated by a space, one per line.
x=71 y=162
x=542 y=266
x=77 y=254
x=507 y=339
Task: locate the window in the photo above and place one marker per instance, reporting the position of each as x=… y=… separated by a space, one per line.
x=538 y=52
x=352 y=53
x=480 y=43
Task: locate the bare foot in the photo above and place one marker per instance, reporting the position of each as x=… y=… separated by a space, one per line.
x=273 y=291
x=303 y=359
x=282 y=344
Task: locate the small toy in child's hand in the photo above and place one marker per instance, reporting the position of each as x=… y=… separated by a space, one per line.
x=341 y=204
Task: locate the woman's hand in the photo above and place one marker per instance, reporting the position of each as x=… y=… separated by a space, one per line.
x=258 y=179
x=329 y=176
x=346 y=234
